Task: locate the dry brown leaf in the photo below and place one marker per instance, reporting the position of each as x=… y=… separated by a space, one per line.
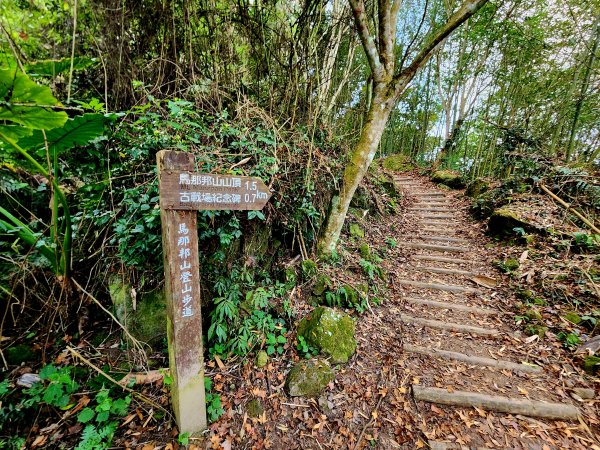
x=523 y=256
x=39 y=441
x=260 y=393
x=220 y=363
x=149 y=377
x=522 y=391
x=484 y=281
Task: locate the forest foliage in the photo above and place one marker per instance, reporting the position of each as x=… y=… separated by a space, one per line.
x=91 y=89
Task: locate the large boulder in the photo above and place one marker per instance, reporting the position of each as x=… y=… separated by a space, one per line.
x=448 y=178
x=330 y=331
x=309 y=378
x=148 y=321
x=477 y=187
x=504 y=220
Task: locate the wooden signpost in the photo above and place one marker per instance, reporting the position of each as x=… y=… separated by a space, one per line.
x=182 y=193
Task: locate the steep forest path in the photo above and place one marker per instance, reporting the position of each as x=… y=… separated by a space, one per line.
x=444 y=331
x=476 y=381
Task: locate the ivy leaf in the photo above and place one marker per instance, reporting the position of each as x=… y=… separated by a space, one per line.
x=85 y=415
x=27 y=103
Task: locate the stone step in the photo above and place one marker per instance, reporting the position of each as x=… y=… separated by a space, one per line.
x=429 y=194
x=465 y=273
x=454 y=306
x=444 y=239
x=473 y=360
x=449 y=326
x=439 y=248
x=441 y=259
x=448 y=209
x=438 y=286
x=437 y=216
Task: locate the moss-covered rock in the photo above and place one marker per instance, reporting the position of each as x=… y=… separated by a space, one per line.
x=477 y=187
x=254 y=408
x=356 y=231
x=448 y=178
x=262 y=359
x=18 y=354
x=503 y=221
x=330 y=331
x=397 y=163
x=309 y=378
x=148 y=322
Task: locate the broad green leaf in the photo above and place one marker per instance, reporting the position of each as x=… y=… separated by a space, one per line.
x=52 y=67
x=15 y=132
x=27 y=103
x=77 y=131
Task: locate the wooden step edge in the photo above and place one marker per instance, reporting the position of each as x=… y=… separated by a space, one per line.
x=432 y=209
x=441 y=259
x=429 y=194
x=427 y=269
x=439 y=248
x=473 y=360
x=441 y=325
x=444 y=445
x=496 y=403
x=445 y=239
x=439 y=287
x=455 y=306
x=437 y=216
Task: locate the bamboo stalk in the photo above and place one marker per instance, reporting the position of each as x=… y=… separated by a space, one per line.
x=567 y=206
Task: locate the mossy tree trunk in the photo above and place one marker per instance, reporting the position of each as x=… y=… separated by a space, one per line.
x=388 y=86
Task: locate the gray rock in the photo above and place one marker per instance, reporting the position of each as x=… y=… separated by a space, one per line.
x=309 y=378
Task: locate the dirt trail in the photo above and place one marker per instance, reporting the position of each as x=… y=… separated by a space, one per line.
x=437 y=332
x=458 y=343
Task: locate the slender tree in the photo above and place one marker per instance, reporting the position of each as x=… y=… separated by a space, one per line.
x=390 y=79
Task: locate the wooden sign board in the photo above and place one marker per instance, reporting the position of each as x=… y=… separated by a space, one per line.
x=183 y=192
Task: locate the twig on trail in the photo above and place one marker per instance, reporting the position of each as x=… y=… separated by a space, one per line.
x=370 y=422
x=568 y=207
x=108 y=377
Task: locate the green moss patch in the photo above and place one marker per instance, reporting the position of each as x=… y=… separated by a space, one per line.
x=330 y=331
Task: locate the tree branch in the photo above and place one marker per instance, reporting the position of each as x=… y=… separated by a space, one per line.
x=368 y=43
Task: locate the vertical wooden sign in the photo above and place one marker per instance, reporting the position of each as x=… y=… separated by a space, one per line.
x=184 y=319
x=183 y=192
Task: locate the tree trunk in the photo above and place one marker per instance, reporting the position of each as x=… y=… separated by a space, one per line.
x=357 y=167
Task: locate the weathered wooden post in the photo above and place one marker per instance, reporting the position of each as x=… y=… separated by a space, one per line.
x=182 y=193
x=182 y=287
